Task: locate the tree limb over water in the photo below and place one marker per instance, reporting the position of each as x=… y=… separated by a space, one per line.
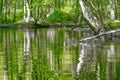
x=99 y=35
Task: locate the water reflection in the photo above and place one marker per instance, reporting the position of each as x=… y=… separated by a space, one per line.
x=98 y=61
x=111 y=58
x=81 y=57
x=52 y=54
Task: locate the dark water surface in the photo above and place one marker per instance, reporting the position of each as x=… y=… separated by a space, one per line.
x=54 y=54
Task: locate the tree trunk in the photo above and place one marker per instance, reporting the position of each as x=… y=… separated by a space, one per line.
x=9 y=9
x=24 y=10
x=5 y=10
x=99 y=35
x=112 y=11
x=27 y=15
x=116 y=9
x=1 y=11
x=14 y=16
x=90 y=14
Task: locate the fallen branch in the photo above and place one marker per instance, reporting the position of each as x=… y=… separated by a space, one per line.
x=101 y=34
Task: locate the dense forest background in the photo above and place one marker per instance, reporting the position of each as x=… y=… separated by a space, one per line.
x=59 y=11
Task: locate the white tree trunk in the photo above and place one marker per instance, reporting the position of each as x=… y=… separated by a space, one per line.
x=90 y=16
x=112 y=10
x=27 y=15
x=28 y=9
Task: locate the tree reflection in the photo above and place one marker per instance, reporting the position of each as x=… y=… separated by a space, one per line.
x=81 y=57
x=86 y=67
x=98 y=62
x=50 y=54
x=111 y=65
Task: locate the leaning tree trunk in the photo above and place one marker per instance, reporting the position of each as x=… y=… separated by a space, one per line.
x=90 y=14
x=27 y=12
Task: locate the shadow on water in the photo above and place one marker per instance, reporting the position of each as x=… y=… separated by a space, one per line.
x=54 y=54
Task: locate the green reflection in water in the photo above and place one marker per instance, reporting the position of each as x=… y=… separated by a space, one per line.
x=51 y=54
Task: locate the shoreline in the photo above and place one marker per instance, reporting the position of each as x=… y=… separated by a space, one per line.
x=31 y=25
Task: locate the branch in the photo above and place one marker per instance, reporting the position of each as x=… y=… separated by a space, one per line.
x=101 y=34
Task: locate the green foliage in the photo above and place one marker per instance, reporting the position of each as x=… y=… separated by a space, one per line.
x=19 y=17
x=60 y=17
x=116 y=24
x=112 y=25
x=64 y=11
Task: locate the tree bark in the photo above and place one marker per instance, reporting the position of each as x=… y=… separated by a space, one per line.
x=90 y=14
x=1 y=11
x=14 y=16
x=27 y=15
x=112 y=11
x=101 y=34
x=5 y=10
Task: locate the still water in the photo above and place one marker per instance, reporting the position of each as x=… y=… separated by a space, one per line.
x=56 y=54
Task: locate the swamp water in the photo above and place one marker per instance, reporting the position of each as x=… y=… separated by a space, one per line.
x=55 y=54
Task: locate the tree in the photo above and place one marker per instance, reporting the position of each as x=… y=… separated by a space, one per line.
x=1 y=11
x=27 y=11
x=14 y=14
x=95 y=12
x=113 y=9
x=90 y=14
